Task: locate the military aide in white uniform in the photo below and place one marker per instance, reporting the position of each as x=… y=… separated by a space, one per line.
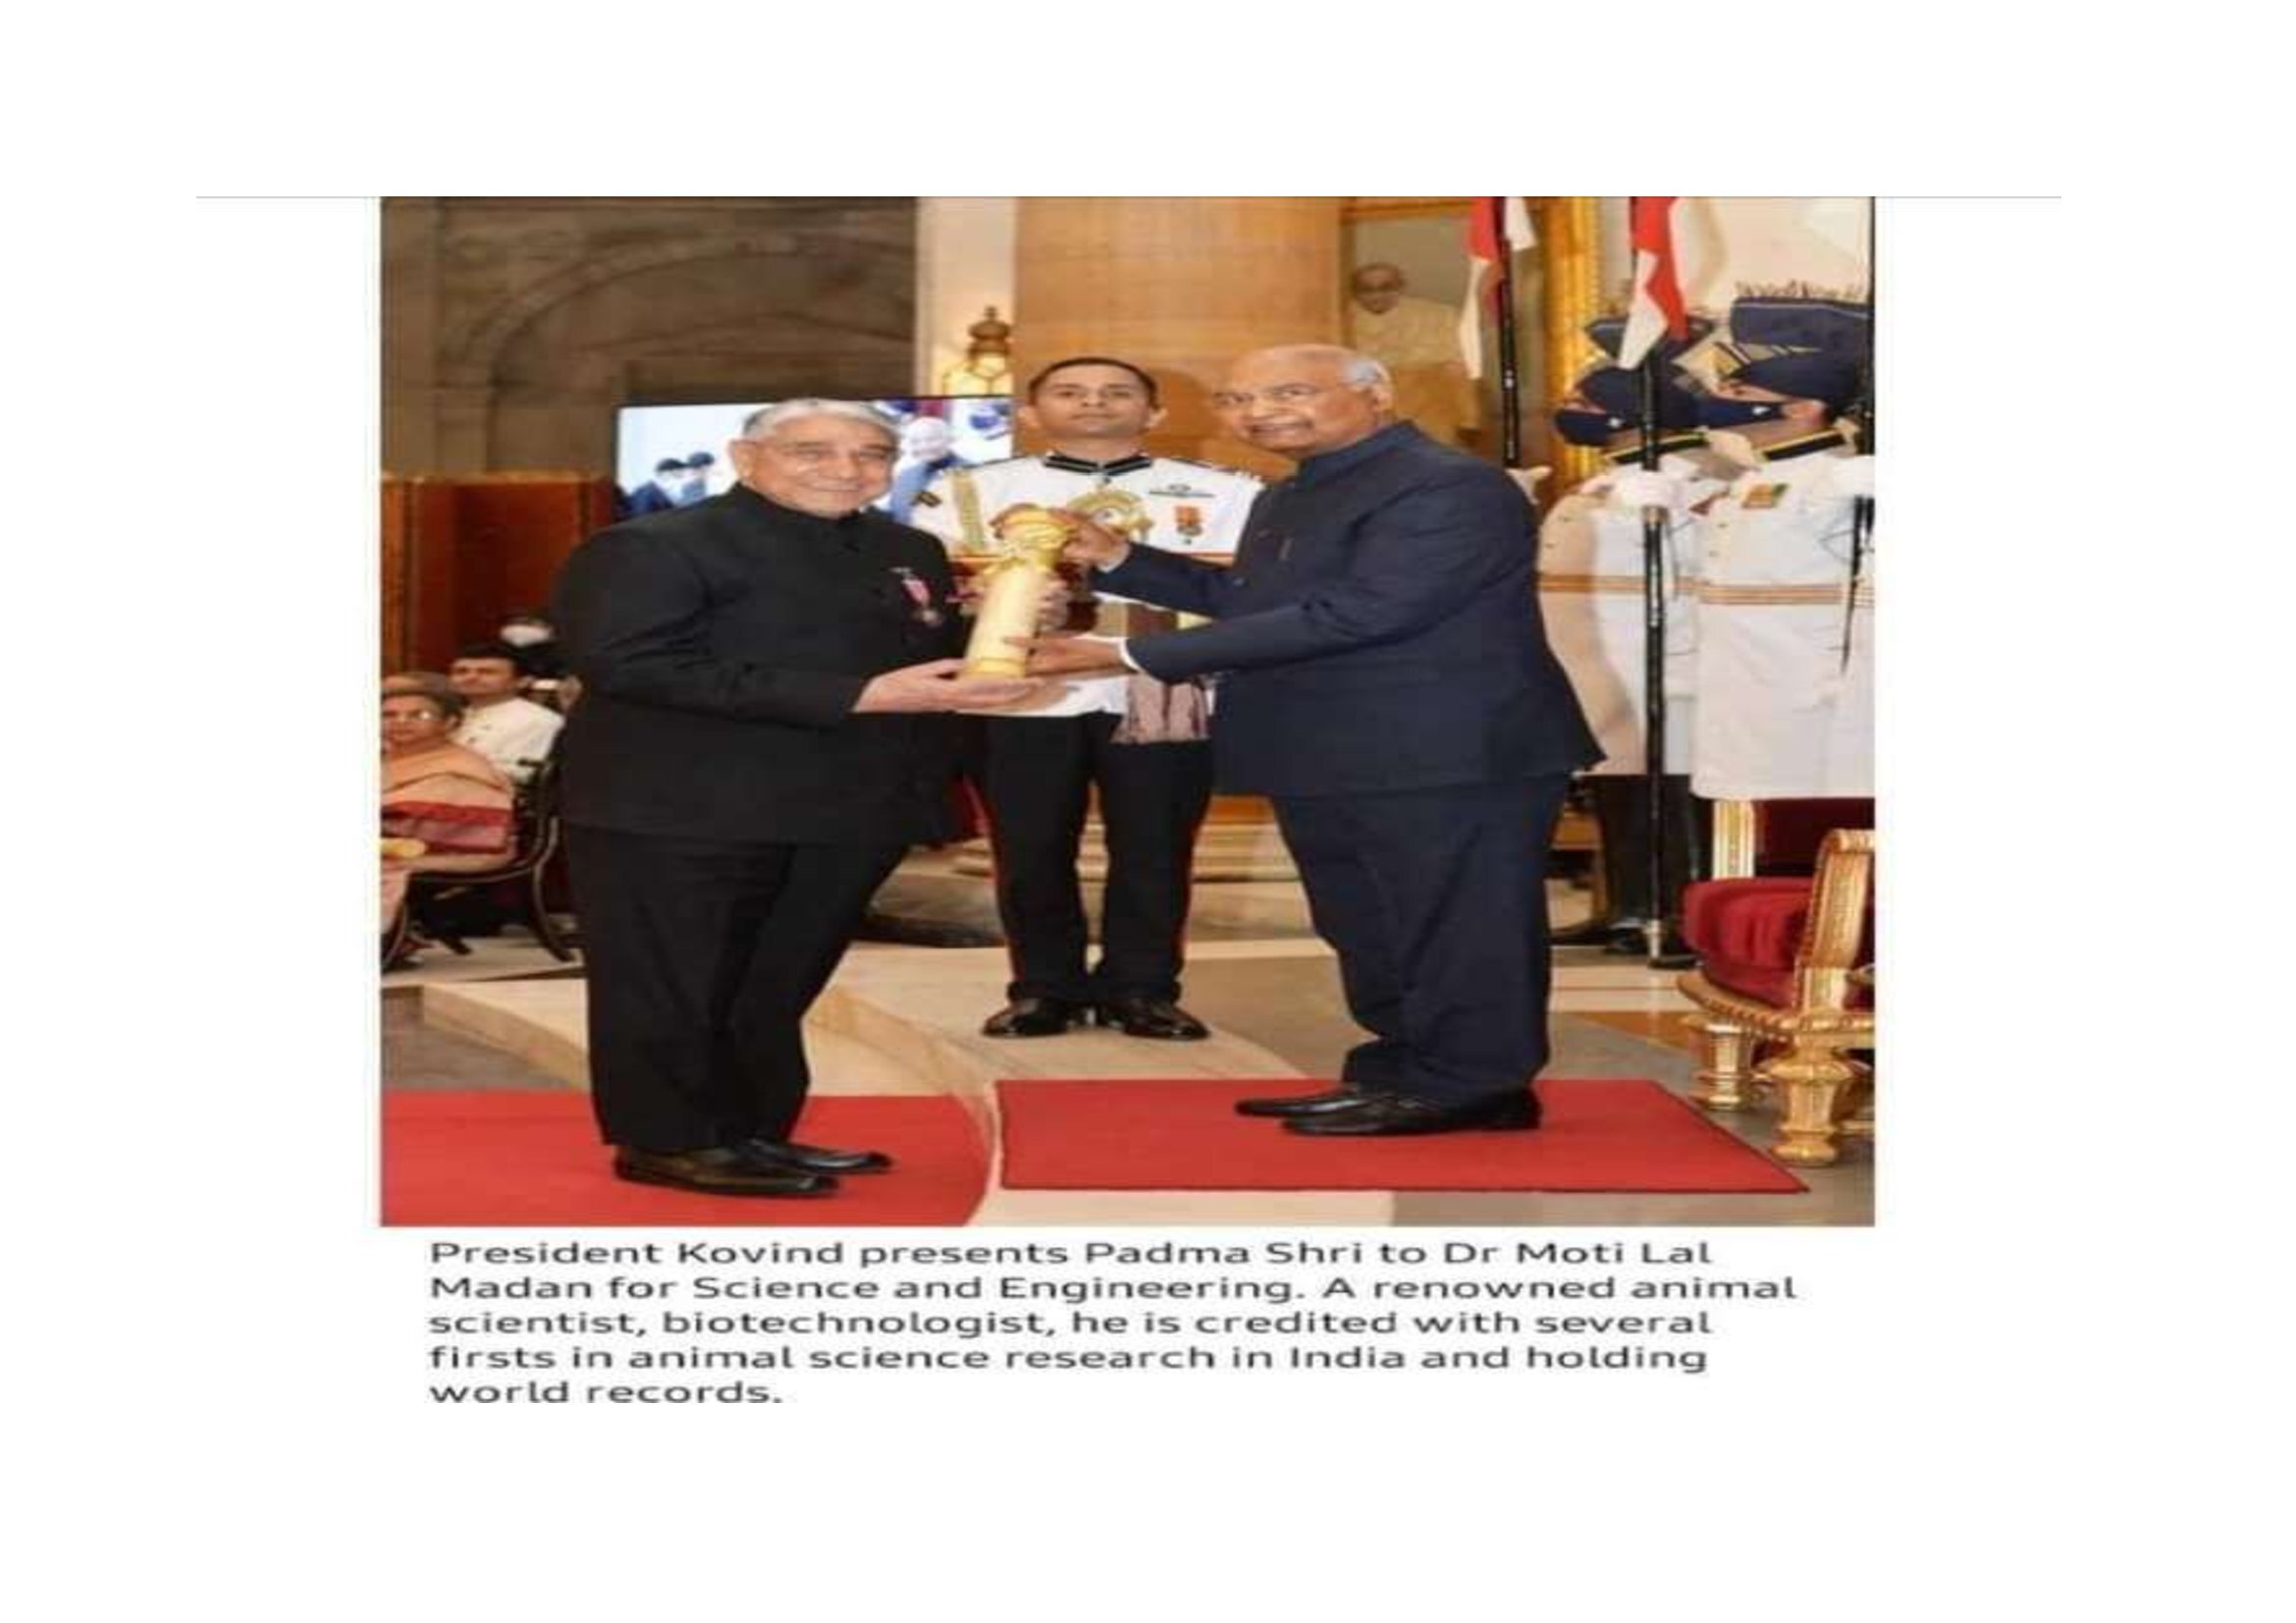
x=1139 y=743
x=1590 y=595
x=1784 y=663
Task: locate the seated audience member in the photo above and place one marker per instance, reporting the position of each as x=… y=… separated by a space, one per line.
x=515 y=733
x=434 y=682
x=541 y=664
x=534 y=640
x=452 y=800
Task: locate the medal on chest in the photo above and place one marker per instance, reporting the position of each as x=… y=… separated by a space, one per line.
x=923 y=610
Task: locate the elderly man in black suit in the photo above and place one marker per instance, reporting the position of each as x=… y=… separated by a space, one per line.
x=763 y=732
x=1384 y=679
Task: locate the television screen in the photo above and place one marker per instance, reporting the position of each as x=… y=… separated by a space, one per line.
x=936 y=432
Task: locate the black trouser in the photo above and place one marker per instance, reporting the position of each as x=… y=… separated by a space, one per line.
x=703 y=958
x=1035 y=775
x=1436 y=903
x=1621 y=808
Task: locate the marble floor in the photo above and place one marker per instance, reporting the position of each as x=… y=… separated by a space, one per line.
x=904 y=1018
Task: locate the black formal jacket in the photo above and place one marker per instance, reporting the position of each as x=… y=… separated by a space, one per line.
x=721 y=647
x=1378 y=630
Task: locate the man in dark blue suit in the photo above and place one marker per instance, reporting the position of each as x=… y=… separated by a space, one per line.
x=1384 y=679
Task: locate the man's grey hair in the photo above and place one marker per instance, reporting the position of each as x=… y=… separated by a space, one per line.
x=766 y=420
x=1355 y=369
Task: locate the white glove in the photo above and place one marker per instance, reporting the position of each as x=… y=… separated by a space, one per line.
x=1851 y=475
x=1636 y=487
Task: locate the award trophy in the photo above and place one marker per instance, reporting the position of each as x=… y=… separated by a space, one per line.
x=1029 y=539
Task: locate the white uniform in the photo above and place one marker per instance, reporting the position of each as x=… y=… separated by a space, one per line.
x=1779 y=715
x=514 y=734
x=1590 y=596
x=1193 y=507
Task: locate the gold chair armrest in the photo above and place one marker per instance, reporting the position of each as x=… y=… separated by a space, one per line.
x=1835 y=926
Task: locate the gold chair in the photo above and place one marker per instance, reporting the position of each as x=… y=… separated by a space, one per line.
x=1782 y=977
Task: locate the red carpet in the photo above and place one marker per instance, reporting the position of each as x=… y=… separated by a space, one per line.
x=533 y=1157
x=1599 y=1136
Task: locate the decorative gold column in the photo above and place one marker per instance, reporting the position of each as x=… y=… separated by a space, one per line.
x=1570 y=245
x=1182 y=286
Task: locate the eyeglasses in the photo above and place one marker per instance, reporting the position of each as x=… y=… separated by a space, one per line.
x=1283 y=394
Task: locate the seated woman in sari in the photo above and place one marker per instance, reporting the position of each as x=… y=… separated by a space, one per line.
x=452 y=800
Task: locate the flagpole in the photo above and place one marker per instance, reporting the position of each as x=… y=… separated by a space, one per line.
x=1509 y=379
x=1655 y=292
x=1861 y=508
x=1654 y=667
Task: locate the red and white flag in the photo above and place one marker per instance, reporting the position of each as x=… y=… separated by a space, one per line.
x=1657 y=305
x=1483 y=222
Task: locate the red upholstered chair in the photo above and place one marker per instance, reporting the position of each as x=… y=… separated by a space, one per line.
x=1784 y=985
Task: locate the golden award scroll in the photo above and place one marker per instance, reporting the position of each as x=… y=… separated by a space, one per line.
x=1027 y=547
x=1029 y=540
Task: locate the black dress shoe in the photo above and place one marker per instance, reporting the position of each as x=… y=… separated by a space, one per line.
x=1032 y=1017
x=1157 y=1017
x=1392 y=1115
x=1592 y=933
x=717 y=1171
x=1302 y=1103
x=809 y=1157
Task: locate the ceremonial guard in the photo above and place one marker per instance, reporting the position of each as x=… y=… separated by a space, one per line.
x=1785 y=640
x=1140 y=743
x=1591 y=580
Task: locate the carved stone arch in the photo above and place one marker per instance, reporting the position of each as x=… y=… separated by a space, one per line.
x=470 y=354
x=700 y=308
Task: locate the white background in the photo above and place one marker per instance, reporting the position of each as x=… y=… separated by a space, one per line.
x=2032 y=1389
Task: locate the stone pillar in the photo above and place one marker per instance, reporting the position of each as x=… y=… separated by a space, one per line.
x=1180 y=285
x=412 y=238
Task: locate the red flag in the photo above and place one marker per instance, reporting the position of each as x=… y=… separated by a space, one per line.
x=1483 y=252
x=1657 y=305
